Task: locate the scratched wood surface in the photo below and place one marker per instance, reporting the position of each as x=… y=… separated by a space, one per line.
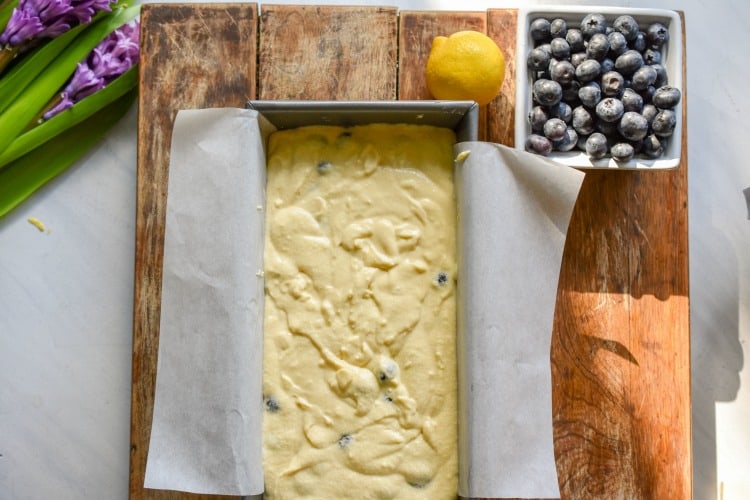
x=620 y=346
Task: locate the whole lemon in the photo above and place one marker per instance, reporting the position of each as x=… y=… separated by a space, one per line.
x=467 y=65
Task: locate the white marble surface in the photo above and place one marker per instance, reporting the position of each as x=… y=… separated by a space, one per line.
x=66 y=297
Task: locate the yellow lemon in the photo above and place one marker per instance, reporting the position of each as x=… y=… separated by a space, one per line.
x=467 y=65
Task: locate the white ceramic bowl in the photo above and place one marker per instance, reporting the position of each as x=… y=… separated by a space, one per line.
x=672 y=59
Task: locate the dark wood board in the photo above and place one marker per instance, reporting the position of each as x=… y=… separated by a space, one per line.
x=620 y=347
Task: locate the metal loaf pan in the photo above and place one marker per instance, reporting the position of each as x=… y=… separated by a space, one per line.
x=460 y=116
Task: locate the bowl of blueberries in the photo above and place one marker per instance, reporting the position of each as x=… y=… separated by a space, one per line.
x=600 y=87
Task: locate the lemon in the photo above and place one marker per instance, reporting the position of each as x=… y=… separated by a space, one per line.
x=467 y=65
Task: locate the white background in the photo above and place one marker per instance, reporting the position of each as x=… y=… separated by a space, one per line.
x=66 y=297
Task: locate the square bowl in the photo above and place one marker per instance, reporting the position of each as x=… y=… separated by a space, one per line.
x=672 y=59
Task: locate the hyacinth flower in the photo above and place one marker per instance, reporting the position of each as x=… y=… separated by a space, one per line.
x=111 y=58
x=99 y=62
x=35 y=20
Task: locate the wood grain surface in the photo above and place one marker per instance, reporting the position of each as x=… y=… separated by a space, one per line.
x=620 y=347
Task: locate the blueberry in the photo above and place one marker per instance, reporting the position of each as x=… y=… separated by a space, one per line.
x=562 y=111
x=345 y=440
x=661 y=75
x=547 y=92
x=324 y=167
x=631 y=101
x=563 y=72
x=583 y=120
x=590 y=94
x=607 y=128
x=629 y=62
x=577 y=58
x=558 y=27
x=613 y=84
x=588 y=70
x=538 y=59
x=592 y=24
x=664 y=123
x=538 y=144
x=653 y=146
x=622 y=151
x=607 y=64
x=560 y=48
x=574 y=37
x=598 y=46
x=652 y=56
x=639 y=43
x=537 y=117
x=666 y=97
x=568 y=142
x=609 y=109
x=540 y=30
x=649 y=112
x=657 y=35
x=627 y=26
x=644 y=77
x=554 y=129
x=271 y=404
x=441 y=279
x=617 y=43
x=633 y=126
x=581 y=144
x=596 y=146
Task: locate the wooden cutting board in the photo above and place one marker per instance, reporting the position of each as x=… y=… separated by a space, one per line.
x=621 y=342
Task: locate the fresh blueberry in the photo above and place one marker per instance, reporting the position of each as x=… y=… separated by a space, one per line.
x=538 y=144
x=271 y=404
x=583 y=120
x=575 y=39
x=568 y=142
x=622 y=152
x=598 y=46
x=633 y=126
x=648 y=94
x=653 y=146
x=661 y=75
x=554 y=129
x=547 y=92
x=558 y=27
x=539 y=29
x=666 y=97
x=649 y=112
x=563 y=72
x=643 y=77
x=570 y=93
x=609 y=109
x=596 y=146
x=652 y=56
x=562 y=111
x=627 y=26
x=613 y=84
x=592 y=24
x=607 y=128
x=657 y=35
x=537 y=118
x=639 y=43
x=560 y=48
x=631 y=101
x=576 y=58
x=607 y=64
x=629 y=62
x=664 y=123
x=617 y=43
x=538 y=59
x=588 y=70
x=590 y=94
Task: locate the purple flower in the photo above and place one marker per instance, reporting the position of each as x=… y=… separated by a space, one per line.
x=114 y=55
x=34 y=19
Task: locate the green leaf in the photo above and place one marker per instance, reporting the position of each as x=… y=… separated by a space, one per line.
x=23 y=177
x=17 y=79
x=70 y=117
x=22 y=110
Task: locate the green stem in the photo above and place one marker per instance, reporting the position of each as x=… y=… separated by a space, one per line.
x=7 y=54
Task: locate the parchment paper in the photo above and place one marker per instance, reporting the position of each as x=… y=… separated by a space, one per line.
x=514 y=210
x=206 y=429
x=206 y=437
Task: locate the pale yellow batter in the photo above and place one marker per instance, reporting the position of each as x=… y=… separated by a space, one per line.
x=359 y=362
